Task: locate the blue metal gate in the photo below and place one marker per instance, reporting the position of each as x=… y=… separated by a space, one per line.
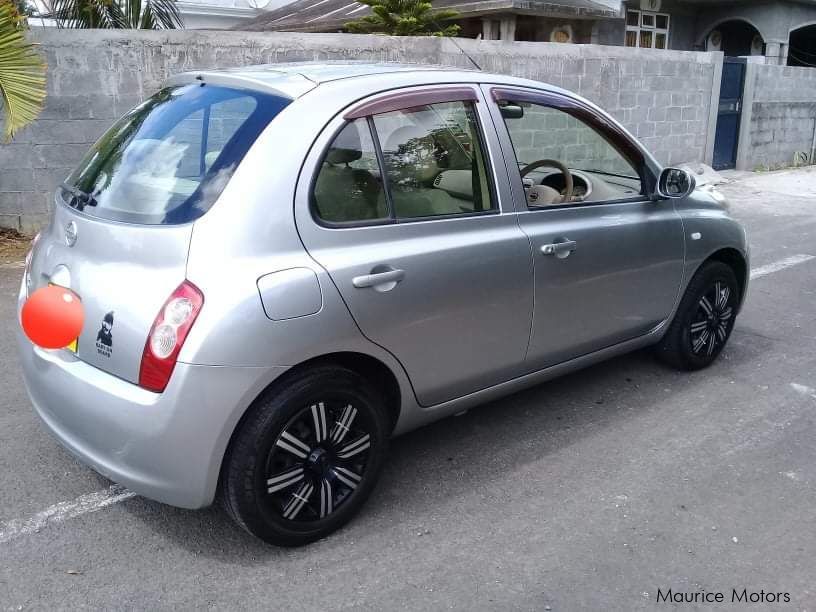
x=726 y=137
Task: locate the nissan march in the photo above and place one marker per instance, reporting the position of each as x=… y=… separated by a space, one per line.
x=283 y=266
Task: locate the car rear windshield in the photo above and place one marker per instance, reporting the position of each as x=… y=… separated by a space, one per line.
x=167 y=161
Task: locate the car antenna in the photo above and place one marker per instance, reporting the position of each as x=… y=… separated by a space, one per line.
x=467 y=55
x=458 y=46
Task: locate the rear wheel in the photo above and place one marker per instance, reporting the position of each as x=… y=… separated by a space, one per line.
x=704 y=320
x=306 y=457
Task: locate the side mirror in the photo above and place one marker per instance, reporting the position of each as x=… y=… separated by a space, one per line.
x=675 y=183
x=511 y=111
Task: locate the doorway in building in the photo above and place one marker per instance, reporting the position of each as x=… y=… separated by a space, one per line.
x=735 y=38
x=726 y=137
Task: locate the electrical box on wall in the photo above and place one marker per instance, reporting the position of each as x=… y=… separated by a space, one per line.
x=650 y=5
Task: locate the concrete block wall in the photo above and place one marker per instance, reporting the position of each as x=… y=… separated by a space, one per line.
x=548 y=133
x=663 y=97
x=779 y=116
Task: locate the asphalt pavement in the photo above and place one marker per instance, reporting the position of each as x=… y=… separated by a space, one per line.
x=590 y=492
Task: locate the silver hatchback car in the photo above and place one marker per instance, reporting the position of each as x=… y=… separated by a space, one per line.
x=283 y=266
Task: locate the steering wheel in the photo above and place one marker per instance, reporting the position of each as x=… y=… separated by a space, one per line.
x=552 y=163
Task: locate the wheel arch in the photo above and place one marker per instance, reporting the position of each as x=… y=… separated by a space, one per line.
x=371 y=368
x=737 y=262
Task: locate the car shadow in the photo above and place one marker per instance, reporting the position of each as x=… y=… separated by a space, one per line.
x=449 y=458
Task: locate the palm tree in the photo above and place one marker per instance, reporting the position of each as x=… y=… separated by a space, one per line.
x=117 y=14
x=22 y=73
x=404 y=18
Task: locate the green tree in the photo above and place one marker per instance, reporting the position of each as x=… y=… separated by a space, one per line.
x=24 y=8
x=22 y=73
x=117 y=14
x=404 y=18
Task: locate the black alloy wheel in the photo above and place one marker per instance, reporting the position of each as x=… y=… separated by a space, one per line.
x=710 y=328
x=704 y=319
x=306 y=456
x=317 y=461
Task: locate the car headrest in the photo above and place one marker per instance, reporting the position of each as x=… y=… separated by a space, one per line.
x=403 y=135
x=416 y=160
x=346 y=148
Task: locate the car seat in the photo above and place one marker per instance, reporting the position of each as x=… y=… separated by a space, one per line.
x=343 y=193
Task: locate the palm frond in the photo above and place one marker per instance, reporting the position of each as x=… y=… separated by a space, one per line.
x=160 y=14
x=22 y=74
x=117 y=14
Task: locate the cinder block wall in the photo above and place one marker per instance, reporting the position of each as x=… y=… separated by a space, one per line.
x=782 y=118
x=663 y=97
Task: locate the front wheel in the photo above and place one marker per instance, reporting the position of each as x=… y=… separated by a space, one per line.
x=306 y=457
x=704 y=320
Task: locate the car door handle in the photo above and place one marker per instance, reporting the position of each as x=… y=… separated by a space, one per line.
x=378 y=278
x=561 y=249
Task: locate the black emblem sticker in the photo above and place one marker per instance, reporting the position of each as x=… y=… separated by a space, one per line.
x=104 y=339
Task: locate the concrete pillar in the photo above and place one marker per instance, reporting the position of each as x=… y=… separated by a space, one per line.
x=776 y=52
x=508 y=27
x=490 y=30
x=713 y=107
x=746 y=113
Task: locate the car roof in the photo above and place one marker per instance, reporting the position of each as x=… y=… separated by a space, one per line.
x=322 y=72
x=294 y=79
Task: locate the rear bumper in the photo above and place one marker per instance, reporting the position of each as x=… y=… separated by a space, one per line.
x=167 y=446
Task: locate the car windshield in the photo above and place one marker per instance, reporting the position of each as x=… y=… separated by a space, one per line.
x=167 y=160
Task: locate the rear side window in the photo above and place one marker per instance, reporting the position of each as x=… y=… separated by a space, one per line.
x=168 y=160
x=349 y=186
x=434 y=166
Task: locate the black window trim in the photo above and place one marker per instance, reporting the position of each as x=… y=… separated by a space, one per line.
x=562 y=102
x=453 y=94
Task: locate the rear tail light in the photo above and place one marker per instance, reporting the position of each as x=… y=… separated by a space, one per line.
x=170 y=329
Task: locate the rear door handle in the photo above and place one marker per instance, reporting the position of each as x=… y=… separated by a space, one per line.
x=389 y=277
x=559 y=249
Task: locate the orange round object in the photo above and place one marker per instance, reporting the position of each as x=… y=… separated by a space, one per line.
x=52 y=317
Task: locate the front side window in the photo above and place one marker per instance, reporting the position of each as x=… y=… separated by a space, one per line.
x=166 y=161
x=548 y=140
x=434 y=165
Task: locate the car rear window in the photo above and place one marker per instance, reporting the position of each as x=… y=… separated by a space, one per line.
x=167 y=160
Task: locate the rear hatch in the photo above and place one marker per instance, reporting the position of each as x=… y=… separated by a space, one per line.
x=122 y=224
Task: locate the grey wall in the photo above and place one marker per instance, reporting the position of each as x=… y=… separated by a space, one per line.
x=663 y=97
x=779 y=116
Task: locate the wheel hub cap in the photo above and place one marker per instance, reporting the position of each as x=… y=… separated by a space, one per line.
x=317 y=461
x=711 y=327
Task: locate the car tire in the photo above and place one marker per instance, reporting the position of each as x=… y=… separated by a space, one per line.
x=306 y=456
x=703 y=322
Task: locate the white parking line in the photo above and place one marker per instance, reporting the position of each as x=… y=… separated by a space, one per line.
x=92 y=502
x=804 y=390
x=780 y=265
x=63 y=511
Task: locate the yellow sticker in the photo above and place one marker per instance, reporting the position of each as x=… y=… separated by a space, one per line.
x=73 y=346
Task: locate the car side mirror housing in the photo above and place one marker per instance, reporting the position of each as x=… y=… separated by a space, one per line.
x=511 y=111
x=675 y=183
